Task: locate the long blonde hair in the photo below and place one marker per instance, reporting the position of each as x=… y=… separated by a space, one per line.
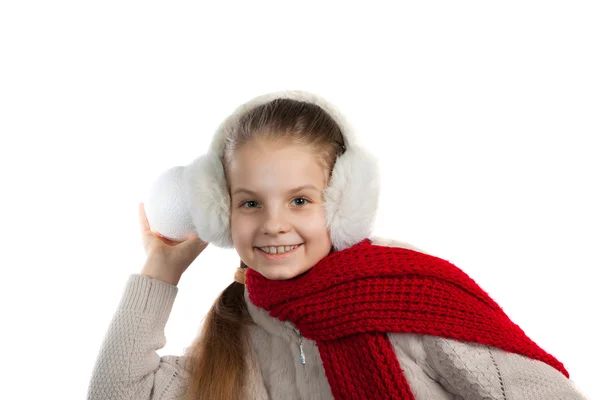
x=216 y=359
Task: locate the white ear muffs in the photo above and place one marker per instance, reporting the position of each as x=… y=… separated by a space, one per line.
x=195 y=197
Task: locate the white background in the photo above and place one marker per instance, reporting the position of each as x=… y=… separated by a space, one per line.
x=485 y=119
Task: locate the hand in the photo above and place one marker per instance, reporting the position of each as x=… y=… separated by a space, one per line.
x=167 y=259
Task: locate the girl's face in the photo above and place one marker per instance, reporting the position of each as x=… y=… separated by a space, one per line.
x=267 y=211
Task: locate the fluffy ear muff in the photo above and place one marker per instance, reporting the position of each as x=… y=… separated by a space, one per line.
x=207 y=199
x=352 y=198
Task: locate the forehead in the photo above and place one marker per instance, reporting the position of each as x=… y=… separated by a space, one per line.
x=274 y=167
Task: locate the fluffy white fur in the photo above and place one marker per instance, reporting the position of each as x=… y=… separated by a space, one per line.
x=207 y=199
x=351 y=199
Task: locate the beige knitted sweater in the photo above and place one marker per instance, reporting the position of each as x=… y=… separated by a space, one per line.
x=128 y=367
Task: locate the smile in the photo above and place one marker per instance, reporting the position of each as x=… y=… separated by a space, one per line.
x=278 y=256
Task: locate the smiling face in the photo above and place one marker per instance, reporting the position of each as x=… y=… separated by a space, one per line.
x=273 y=213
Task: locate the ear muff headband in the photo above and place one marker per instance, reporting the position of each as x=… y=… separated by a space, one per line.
x=195 y=197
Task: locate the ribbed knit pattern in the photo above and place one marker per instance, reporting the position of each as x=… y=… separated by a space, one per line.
x=477 y=372
x=128 y=366
x=351 y=298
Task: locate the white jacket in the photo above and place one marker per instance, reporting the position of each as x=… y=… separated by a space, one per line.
x=128 y=366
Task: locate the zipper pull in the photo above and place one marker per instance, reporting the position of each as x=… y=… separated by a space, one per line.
x=302 y=357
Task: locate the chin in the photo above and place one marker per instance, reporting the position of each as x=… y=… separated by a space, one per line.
x=278 y=273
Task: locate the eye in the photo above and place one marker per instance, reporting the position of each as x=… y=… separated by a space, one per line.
x=297 y=198
x=246 y=202
x=301 y=198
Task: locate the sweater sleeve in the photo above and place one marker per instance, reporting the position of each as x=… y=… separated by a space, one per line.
x=476 y=372
x=127 y=366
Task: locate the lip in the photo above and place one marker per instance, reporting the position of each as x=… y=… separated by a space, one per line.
x=278 y=256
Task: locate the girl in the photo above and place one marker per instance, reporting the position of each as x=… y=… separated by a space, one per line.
x=319 y=309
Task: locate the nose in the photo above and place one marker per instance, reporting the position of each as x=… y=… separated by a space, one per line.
x=275 y=222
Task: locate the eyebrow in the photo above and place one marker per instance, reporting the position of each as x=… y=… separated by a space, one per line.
x=296 y=189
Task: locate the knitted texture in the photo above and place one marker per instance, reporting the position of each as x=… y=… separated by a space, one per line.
x=479 y=372
x=351 y=298
x=128 y=366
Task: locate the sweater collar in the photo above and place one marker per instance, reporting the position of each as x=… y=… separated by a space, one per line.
x=271 y=324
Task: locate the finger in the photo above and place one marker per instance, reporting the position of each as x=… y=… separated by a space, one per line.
x=164 y=239
x=194 y=240
x=193 y=237
x=144 y=225
x=194 y=246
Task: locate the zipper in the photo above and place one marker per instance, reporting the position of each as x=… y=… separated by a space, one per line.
x=302 y=357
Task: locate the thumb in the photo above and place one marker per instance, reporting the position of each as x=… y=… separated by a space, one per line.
x=193 y=241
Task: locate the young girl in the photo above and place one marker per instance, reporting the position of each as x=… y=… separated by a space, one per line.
x=319 y=308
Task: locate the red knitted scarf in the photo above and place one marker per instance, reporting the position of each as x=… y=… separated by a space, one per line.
x=351 y=298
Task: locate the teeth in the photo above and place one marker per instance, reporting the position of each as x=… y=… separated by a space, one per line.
x=277 y=250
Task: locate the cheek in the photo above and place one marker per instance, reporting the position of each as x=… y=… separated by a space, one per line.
x=316 y=222
x=311 y=222
x=239 y=228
